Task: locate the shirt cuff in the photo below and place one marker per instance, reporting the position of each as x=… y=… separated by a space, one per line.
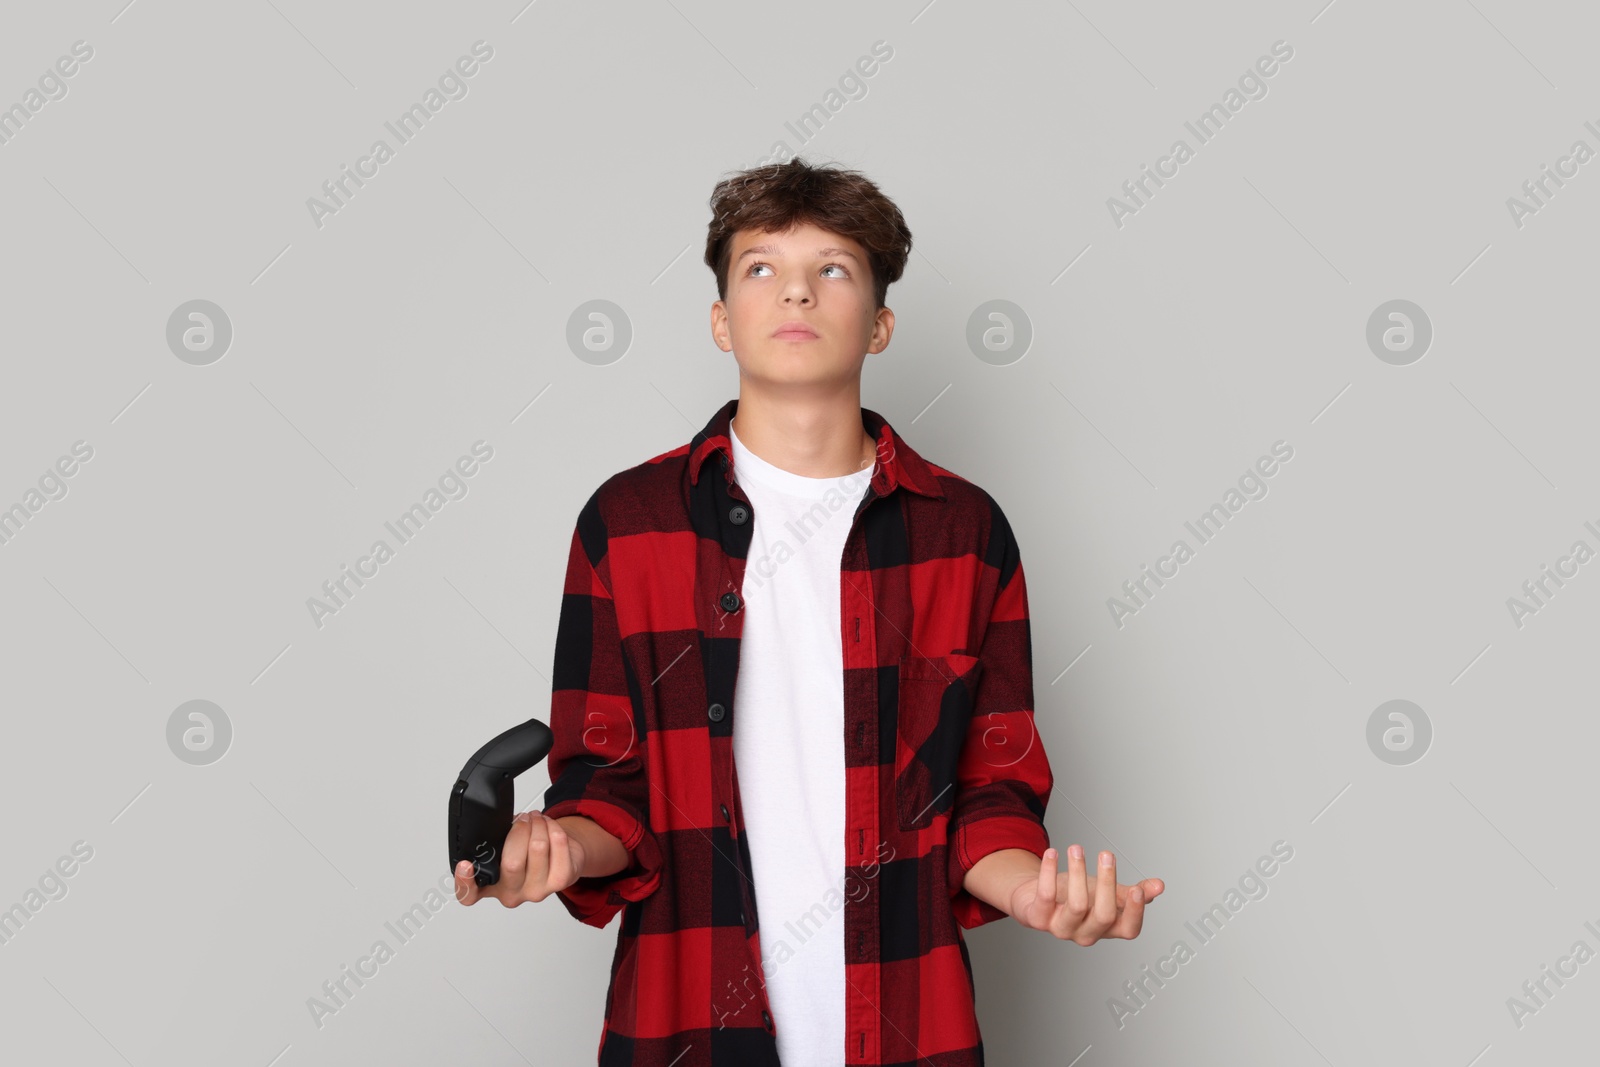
x=973 y=841
x=597 y=899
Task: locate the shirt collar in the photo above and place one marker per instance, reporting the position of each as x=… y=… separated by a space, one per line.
x=898 y=463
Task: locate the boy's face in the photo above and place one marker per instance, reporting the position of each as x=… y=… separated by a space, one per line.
x=807 y=275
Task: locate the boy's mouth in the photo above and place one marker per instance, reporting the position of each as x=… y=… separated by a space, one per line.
x=794 y=330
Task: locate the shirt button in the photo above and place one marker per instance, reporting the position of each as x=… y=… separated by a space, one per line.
x=766 y=1018
x=725 y=817
x=716 y=711
x=738 y=514
x=730 y=601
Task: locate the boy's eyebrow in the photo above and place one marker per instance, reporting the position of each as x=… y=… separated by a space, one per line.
x=772 y=250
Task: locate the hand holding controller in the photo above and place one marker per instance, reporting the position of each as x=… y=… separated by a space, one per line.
x=539 y=858
x=483 y=798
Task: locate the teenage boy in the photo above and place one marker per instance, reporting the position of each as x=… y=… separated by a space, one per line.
x=874 y=782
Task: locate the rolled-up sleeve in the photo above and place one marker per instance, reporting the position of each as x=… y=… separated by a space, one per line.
x=597 y=763
x=1003 y=777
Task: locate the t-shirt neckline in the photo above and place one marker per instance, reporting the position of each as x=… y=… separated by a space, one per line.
x=748 y=465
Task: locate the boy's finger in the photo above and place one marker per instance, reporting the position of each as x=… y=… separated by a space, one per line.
x=1047 y=878
x=538 y=848
x=1132 y=918
x=1077 y=883
x=1105 y=893
x=560 y=868
x=514 y=861
x=466 y=885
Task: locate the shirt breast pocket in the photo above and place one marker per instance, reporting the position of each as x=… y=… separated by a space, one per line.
x=934 y=705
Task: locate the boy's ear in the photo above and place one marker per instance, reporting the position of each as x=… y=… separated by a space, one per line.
x=719 y=325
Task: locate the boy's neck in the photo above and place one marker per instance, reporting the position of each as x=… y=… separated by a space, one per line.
x=817 y=436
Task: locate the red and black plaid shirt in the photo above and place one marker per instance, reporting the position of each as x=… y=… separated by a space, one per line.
x=943 y=765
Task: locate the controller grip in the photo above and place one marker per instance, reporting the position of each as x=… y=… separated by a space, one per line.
x=483 y=800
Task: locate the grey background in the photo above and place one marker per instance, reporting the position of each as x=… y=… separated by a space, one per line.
x=432 y=312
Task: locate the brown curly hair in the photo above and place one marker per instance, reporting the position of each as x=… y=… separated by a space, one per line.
x=778 y=196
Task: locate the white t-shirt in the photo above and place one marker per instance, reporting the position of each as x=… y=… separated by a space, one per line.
x=788 y=745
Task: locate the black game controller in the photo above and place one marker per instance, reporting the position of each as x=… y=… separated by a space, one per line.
x=483 y=799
